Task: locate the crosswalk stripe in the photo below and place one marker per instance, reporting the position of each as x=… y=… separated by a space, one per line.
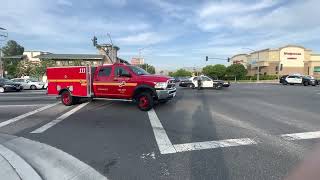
x=59 y=119
x=304 y=135
x=21 y=105
x=18 y=118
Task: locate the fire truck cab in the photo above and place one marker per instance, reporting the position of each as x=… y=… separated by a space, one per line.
x=113 y=82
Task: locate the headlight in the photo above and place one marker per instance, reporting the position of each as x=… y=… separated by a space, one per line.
x=161 y=85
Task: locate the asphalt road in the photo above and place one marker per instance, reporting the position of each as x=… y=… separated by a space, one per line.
x=247 y=131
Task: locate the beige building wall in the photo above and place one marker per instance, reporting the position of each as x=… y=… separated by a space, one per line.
x=292 y=59
x=240 y=59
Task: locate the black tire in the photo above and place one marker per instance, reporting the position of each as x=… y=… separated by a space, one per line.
x=66 y=98
x=285 y=83
x=306 y=83
x=144 y=101
x=291 y=84
x=18 y=90
x=191 y=86
x=33 y=87
x=217 y=86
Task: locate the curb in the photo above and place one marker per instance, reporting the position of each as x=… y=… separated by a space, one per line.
x=27 y=159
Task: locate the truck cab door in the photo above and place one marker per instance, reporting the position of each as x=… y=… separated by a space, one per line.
x=102 y=85
x=125 y=82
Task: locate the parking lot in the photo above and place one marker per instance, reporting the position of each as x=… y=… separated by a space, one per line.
x=246 y=131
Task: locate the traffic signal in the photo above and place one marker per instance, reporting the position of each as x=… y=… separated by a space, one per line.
x=228 y=59
x=94 y=40
x=207 y=58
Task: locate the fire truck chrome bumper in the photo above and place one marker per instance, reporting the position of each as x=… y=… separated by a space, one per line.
x=166 y=94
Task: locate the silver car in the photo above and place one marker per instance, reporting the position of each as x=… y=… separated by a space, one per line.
x=29 y=83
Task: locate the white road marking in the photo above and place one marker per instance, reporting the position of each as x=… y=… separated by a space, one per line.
x=162 y=139
x=26 y=115
x=213 y=144
x=21 y=105
x=22 y=168
x=304 y=135
x=59 y=119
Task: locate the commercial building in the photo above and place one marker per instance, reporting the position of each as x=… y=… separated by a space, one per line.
x=290 y=59
x=137 y=61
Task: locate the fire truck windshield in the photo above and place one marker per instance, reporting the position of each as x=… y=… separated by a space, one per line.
x=138 y=71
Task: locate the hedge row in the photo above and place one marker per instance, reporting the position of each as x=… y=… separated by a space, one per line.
x=253 y=78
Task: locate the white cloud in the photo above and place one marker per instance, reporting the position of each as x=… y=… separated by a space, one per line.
x=145 y=38
x=64 y=2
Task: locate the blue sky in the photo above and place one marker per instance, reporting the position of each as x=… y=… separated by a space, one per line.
x=177 y=33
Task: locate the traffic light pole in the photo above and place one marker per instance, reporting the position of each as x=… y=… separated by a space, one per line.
x=207 y=58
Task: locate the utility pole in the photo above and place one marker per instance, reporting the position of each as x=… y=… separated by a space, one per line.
x=258 y=66
x=3 y=37
x=140 y=56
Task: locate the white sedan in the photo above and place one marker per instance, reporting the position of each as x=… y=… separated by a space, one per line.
x=29 y=83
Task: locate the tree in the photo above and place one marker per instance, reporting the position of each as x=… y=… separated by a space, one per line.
x=236 y=70
x=39 y=70
x=12 y=48
x=36 y=70
x=180 y=73
x=149 y=68
x=217 y=70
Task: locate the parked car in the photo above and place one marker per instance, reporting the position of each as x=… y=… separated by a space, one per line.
x=207 y=82
x=29 y=83
x=310 y=80
x=298 y=79
x=8 y=85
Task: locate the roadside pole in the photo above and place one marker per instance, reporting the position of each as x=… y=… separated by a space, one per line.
x=5 y=36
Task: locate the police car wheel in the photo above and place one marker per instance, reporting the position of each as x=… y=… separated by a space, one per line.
x=144 y=101
x=191 y=86
x=66 y=98
x=306 y=84
x=1 y=90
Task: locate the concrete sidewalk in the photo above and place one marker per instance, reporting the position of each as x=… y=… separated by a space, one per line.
x=24 y=159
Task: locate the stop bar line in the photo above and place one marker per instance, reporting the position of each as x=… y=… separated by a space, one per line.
x=166 y=147
x=59 y=119
x=18 y=118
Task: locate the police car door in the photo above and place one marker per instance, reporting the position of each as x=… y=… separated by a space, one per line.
x=291 y=79
x=298 y=79
x=206 y=82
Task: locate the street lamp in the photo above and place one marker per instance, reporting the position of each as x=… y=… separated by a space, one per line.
x=140 y=56
x=4 y=35
x=258 y=66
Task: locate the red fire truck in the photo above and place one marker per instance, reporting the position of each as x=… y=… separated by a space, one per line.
x=113 y=82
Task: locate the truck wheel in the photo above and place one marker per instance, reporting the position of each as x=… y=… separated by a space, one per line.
x=66 y=98
x=144 y=101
